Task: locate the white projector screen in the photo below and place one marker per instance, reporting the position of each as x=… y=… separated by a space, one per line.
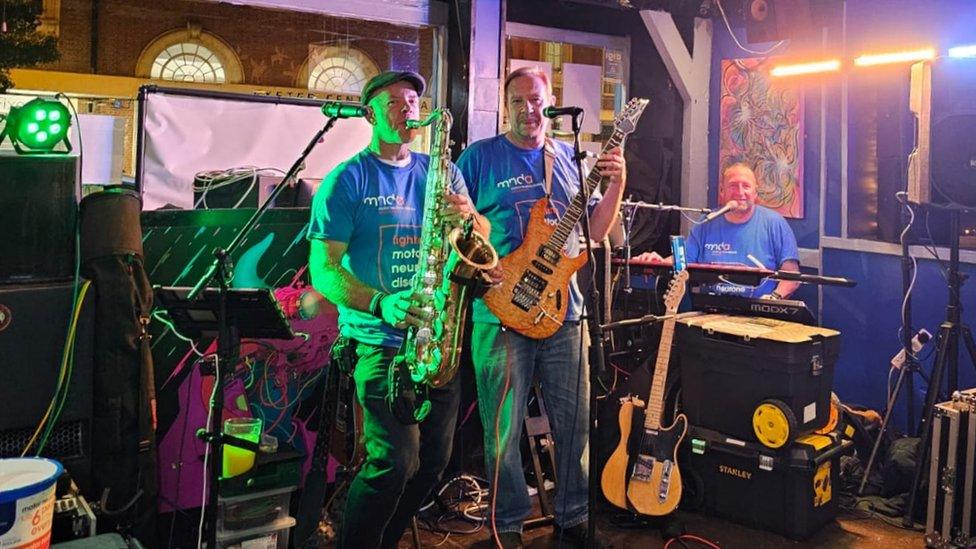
x=187 y=134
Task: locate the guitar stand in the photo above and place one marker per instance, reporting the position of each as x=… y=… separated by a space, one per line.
x=539 y=434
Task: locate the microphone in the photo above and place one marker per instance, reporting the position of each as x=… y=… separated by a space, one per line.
x=335 y=109
x=553 y=112
x=729 y=206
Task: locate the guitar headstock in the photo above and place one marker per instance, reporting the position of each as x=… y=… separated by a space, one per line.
x=676 y=291
x=626 y=121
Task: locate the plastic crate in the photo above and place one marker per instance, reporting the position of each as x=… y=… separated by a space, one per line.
x=250 y=511
x=270 y=536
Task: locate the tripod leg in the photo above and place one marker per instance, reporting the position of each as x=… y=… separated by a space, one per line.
x=925 y=429
x=892 y=398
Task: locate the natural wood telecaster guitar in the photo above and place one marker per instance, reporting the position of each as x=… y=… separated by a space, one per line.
x=534 y=295
x=650 y=481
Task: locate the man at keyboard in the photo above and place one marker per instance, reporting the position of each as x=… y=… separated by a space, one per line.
x=748 y=234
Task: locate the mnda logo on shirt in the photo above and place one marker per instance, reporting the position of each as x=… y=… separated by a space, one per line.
x=517 y=181
x=388 y=201
x=718 y=247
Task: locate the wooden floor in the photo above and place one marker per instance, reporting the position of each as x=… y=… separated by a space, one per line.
x=848 y=531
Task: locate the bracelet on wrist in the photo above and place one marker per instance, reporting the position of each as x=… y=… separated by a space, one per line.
x=775 y=294
x=376 y=304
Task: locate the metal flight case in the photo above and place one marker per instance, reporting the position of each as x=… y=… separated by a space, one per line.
x=951 y=521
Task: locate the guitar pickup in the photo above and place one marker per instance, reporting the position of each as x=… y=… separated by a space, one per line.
x=541 y=266
x=662 y=489
x=643 y=468
x=548 y=254
x=533 y=281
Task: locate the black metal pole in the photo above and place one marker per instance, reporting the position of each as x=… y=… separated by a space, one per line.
x=910 y=363
x=596 y=363
x=226 y=349
x=953 y=309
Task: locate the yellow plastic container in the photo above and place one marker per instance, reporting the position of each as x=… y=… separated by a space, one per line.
x=236 y=460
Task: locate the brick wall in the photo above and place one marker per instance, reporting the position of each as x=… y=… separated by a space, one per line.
x=272 y=45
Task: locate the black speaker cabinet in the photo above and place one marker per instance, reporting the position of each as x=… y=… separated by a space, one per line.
x=772 y=20
x=38 y=205
x=34 y=323
x=943 y=98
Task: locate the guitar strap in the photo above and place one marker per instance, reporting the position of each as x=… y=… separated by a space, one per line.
x=549 y=152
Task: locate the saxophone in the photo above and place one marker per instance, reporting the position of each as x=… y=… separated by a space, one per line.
x=451 y=266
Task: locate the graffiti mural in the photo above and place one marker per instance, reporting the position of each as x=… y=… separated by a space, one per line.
x=762 y=125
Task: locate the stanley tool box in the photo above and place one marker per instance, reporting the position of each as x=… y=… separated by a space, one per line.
x=756 y=378
x=791 y=491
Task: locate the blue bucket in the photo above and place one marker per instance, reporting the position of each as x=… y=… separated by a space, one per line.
x=27 y=502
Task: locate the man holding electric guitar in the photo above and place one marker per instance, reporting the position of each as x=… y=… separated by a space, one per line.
x=527 y=186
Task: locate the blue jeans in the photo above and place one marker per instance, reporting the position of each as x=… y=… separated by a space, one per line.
x=566 y=388
x=403 y=462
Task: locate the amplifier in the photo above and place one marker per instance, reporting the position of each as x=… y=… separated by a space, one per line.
x=34 y=322
x=37 y=218
x=951 y=519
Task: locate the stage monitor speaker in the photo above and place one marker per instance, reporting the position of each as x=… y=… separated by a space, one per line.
x=943 y=166
x=37 y=217
x=773 y=20
x=34 y=323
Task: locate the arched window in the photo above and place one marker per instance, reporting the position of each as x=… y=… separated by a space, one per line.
x=190 y=55
x=339 y=70
x=188 y=62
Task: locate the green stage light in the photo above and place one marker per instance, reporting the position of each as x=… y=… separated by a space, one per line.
x=38 y=126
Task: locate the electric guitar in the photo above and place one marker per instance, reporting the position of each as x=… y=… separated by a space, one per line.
x=654 y=483
x=534 y=295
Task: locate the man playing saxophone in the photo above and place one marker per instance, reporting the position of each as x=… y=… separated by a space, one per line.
x=364 y=234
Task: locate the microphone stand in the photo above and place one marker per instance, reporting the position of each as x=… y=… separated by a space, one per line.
x=594 y=322
x=665 y=207
x=628 y=208
x=228 y=337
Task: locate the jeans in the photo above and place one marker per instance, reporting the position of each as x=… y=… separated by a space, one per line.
x=565 y=386
x=403 y=462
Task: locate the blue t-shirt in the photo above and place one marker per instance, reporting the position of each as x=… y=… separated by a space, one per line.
x=377 y=210
x=504 y=182
x=766 y=236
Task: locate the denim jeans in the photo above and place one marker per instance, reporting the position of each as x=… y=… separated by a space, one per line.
x=403 y=462
x=566 y=389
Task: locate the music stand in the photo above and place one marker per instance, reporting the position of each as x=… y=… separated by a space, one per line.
x=254 y=312
x=247 y=312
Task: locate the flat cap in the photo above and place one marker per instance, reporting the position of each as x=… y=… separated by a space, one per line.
x=387 y=78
